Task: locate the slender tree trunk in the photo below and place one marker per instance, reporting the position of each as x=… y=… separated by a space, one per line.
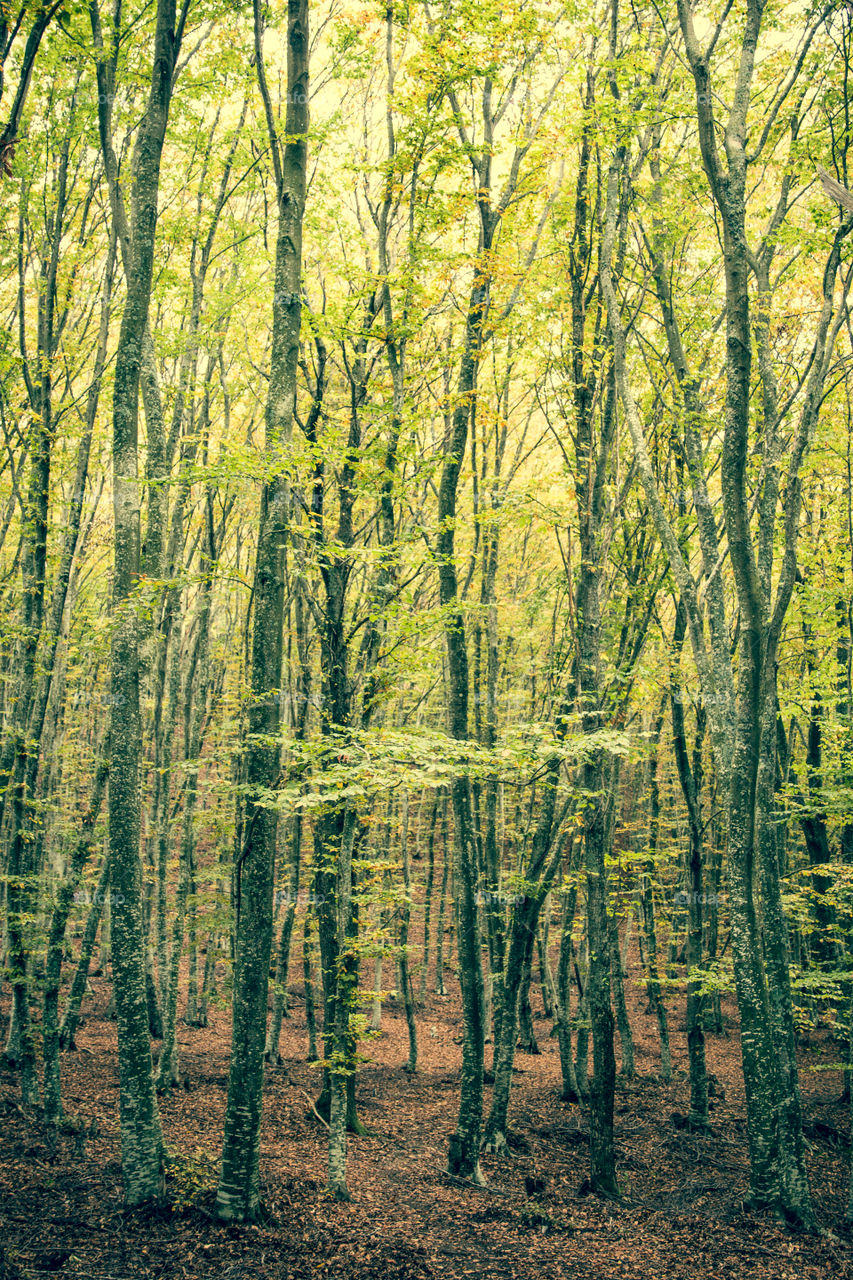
x=791 y=1153
x=300 y=728
x=238 y=1195
x=626 y=1040
x=310 y=1016
x=208 y=982
x=543 y=865
x=626 y=941
x=849 y=1213
x=55 y=947
x=428 y=895
x=526 y=1031
x=71 y=1016
x=603 y=1084
x=690 y=778
x=279 y=1007
x=463 y=1157
x=571 y=1092
x=192 y=1008
x=582 y=1044
x=445 y=874
x=383 y=916
x=168 y=1075
x=464 y=1152
x=653 y=982
x=141 y=1140
x=341 y=1051
x=546 y=977
x=405 y=978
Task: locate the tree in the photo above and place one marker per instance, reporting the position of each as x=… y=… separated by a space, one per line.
x=743 y=725
x=238 y=1197
x=140 y=1123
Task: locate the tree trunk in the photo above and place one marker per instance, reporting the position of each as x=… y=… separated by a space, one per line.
x=71 y=1016
x=691 y=778
x=571 y=1092
x=238 y=1195
x=546 y=977
x=405 y=979
x=310 y=1016
x=626 y=1040
x=526 y=1031
x=208 y=982
x=442 y=903
x=653 y=982
x=428 y=895
x=141 y=1139
x=279 y=1007
x=603 y=1084
x=55 y=947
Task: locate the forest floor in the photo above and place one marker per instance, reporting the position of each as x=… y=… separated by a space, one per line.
x=682 y=1217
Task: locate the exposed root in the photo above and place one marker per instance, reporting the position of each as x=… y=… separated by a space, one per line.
x=495 y=1144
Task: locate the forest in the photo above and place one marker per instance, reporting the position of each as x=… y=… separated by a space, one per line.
x=426 y=639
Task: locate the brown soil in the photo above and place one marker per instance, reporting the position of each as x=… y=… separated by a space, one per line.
x=682 y=1217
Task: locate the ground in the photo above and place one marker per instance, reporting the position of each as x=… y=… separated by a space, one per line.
x=682 y=1216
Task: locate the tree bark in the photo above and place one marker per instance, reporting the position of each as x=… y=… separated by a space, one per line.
x=55 y=947
x=141 y=1139
x=238 y=1196
x=71 y=1015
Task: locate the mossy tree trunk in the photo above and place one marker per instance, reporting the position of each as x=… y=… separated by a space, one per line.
x=141 y=1140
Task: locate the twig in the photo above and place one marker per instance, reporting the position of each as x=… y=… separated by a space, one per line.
x=314 y=1109
x=89 y=1275
x=61 y=1222
x=473 y=1186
